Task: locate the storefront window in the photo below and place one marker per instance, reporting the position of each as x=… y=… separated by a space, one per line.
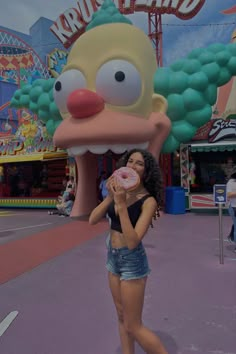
x=34 y=179
x=209 y=168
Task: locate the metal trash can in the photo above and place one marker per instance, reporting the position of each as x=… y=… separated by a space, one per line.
x=175 y=200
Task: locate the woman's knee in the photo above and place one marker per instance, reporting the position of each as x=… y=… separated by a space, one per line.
x=120 y=318
x=120 y=315
x=132 y=327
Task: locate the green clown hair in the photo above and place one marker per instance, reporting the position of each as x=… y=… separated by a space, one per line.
x=38 y=98
x=108 y=13
x=190 y=87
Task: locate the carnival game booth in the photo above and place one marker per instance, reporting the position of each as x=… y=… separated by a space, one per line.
x=207 y=160
x=32 y=170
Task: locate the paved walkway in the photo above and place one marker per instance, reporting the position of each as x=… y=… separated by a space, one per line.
x=64 y=305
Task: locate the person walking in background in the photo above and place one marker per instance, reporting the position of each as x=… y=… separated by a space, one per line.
x=99 y=181
x=230 y=237
x=231 y=196
x=131 y=214
x=103 y=186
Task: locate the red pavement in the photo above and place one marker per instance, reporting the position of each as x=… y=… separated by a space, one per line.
x=22 y=255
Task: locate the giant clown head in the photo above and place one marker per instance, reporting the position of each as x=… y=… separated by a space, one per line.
x=112 y=97
x=105 y=95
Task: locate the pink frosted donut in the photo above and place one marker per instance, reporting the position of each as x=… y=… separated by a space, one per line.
x=127 y=177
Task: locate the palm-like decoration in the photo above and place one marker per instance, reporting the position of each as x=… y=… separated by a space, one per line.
x=189 y=85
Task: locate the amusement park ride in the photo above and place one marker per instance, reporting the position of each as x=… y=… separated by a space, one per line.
x=19 y=63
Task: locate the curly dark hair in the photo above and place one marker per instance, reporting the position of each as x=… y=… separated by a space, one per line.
x=152 y=180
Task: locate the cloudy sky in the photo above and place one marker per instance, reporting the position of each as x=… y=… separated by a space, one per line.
x=179 y=37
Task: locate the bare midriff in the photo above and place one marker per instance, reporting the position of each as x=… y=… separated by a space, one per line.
x=117 y=239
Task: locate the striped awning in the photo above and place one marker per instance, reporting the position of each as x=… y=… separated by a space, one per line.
x=221 y=146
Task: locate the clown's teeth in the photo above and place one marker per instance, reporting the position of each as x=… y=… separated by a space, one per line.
x=102 y=149
x=118 y=149
x=98 y=149
x=77 y=150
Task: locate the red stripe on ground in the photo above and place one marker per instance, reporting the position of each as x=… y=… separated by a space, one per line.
x=22 y=255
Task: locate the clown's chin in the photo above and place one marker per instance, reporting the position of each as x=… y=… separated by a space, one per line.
x=86 y=194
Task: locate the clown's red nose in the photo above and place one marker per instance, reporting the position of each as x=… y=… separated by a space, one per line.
x=83 y=103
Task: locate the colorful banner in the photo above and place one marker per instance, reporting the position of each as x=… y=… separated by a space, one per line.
x=31 y=138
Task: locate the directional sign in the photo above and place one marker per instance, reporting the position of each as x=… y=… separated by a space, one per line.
x=219 y=194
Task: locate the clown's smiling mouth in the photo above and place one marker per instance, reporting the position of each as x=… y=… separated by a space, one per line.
x=102 y=149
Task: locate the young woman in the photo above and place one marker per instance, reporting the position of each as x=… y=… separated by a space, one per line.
x=231 y=195
x=130 y=216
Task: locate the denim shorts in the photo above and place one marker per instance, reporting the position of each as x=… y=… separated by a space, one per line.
x=127 y=264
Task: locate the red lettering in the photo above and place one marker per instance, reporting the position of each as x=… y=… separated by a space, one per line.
x=72 y=23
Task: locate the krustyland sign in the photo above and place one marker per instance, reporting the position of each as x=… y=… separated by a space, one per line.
x=72 y=23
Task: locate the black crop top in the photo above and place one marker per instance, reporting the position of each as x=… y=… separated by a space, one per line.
x=134 y=211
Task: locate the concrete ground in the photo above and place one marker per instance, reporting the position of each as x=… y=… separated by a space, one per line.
x=52 y=271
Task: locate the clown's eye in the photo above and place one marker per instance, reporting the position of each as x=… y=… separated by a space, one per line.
x=66 y=83
x=119 y=83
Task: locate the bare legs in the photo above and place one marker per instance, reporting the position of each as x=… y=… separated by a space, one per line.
x=127 y=341
x=132 y=297
x=128 y=297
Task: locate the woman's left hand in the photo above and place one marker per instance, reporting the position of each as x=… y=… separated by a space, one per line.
x=119 y=193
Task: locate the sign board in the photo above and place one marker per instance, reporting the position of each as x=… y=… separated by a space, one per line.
x=31 y=137
x=219 y=194
x=220 y=198
x=222 y=129
x=72 y=23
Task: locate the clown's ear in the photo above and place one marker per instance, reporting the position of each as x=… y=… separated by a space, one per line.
x=159 y=103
